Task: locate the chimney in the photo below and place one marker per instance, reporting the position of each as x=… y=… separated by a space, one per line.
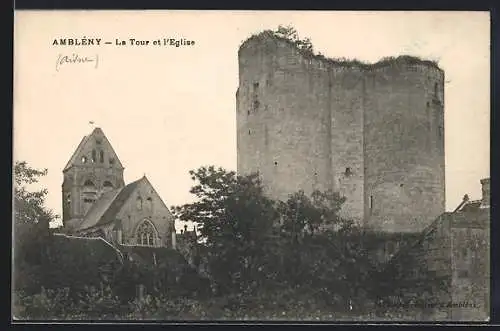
x=485 y=200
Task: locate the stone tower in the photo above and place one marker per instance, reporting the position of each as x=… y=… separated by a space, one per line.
x=93 y=170
x=374 y=133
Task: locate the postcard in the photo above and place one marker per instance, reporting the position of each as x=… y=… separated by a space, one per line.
x=251 y=166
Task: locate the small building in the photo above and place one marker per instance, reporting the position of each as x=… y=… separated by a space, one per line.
x=444 y=273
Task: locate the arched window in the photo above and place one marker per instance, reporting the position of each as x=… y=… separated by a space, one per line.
x=67 y=202
x=146 y=234
x=89 y=183
x=101 y=156
x=94 y=156
x=84 y=159
x=139 y=203
x=89 y=191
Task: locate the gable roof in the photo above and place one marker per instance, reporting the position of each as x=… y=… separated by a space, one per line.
x=97 y=131
x=118 y=202
x=98 y=209
x=105 y=210
x=77 y=152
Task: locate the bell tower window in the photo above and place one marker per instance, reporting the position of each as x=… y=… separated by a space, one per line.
x=94 y=156
x=101 y=156
x=107 y=186
x=89 y=194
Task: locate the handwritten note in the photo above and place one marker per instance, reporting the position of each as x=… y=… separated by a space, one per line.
x=73 y=59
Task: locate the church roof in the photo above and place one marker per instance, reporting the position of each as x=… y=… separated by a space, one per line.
x=105 y=209
x=120 y=199
x=98 y=209
x=74 y=158
x=77 y=152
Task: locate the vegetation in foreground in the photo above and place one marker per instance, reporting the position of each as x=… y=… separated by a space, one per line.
x=265 y=260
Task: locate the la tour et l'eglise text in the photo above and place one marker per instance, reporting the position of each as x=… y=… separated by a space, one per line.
x=176 y=42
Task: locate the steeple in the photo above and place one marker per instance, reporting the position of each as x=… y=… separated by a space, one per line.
x=93 y=169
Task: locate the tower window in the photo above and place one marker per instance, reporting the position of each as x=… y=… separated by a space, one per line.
x=255 y=85
x=440 y=131
x=371 y=202
x=139 y=203
x=347 y=172
x=101 y=156
x=84 y=159
x=249 y=132
x=107 y=185
x=94 y=156
x=89 y=183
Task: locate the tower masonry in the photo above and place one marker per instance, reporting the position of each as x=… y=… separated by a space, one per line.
x=374 y=133
x=93 y=170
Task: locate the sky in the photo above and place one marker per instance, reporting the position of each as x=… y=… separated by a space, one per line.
x=167 y=110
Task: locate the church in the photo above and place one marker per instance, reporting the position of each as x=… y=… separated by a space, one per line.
x=97 y=203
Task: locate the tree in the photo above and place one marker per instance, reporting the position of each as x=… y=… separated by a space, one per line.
x=29 y=206
x=304 y=223
x=290 y=33
x=235 y=220
x=31 y=224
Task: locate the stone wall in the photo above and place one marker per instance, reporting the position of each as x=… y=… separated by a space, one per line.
x=155 y=211
x=403 y=148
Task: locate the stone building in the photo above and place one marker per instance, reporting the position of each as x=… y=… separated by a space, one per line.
x=374 y=133
x=447 y=266
x=97 y=203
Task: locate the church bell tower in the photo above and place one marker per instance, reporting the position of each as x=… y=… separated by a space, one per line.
x=93 y=170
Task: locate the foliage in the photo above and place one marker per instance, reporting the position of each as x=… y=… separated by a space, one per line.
x=305 y=46
x=266 y=259
x=30 y=225
x=29 y=206
x=291 y=34
x=235 y=220
x=254 y=243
